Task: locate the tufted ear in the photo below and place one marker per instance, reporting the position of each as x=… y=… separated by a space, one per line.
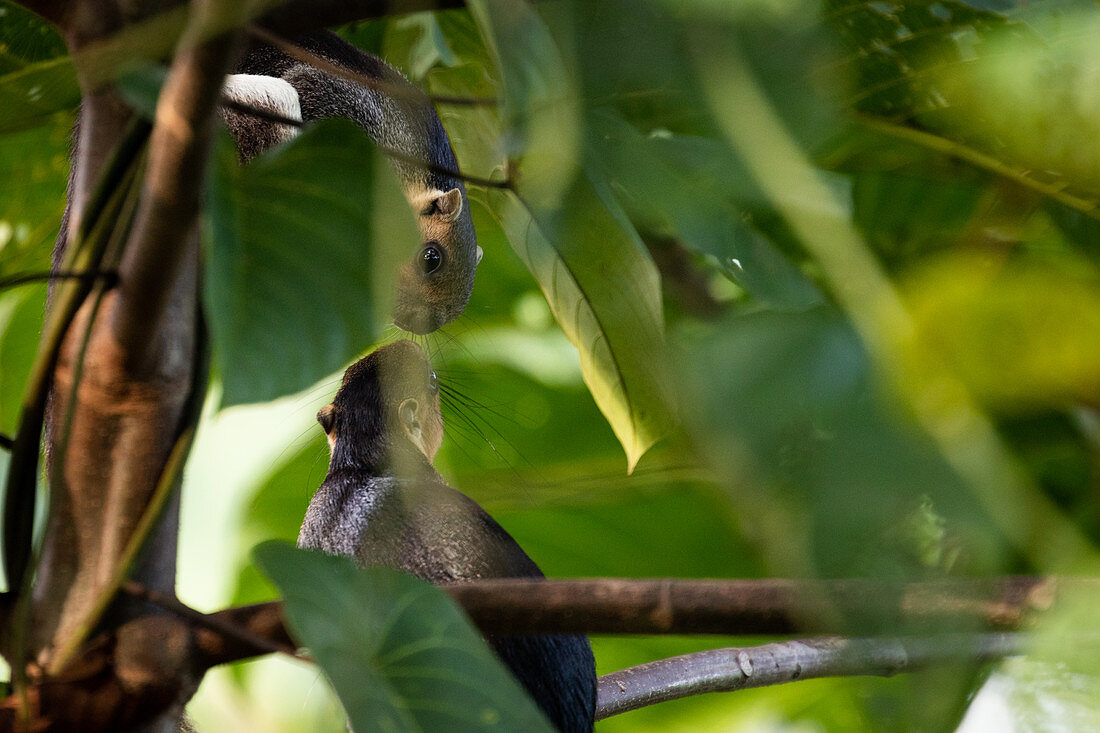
x=444 y=205
x=449 y=205
x=327 y=417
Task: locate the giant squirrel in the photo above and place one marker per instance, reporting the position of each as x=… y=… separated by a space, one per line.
x=383 y=503
x=434 y=286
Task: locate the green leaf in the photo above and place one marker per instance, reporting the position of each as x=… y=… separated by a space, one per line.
x=36 y=92
x=903 y=215
x=694 y=189
x=897 y=49
x=430 y=47
x=34 y=166
x=26 y=38
x=539 y=106
x=1020 y=333
x=398 y=652
x=20 y=325
x=605 y=294
x=300 y=245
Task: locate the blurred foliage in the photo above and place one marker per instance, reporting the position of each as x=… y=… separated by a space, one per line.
x=402 y=656
x=266 y=290
x=816 y=165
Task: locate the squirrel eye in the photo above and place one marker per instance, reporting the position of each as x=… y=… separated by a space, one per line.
x=430 y=259
x=433 y=382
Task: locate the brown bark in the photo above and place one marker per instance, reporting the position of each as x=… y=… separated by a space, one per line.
x=138 y=369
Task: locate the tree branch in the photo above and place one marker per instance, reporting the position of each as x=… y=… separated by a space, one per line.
x=178 y=153
x=774 y=607
x=200 y=641
x=742 y=668
x=741 y=607
x=228 y=630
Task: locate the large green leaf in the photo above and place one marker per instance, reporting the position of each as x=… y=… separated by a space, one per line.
x=301 y=244
x=34 y=166
x=36 y=92
x=539 y=105
x=600 y=283
x=605 y=294
x=401 y=656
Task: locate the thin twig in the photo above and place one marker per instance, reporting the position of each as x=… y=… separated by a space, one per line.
x=300 y=17
x=506 y=184
x=402 y=91
x=110 y=277
x=275 y=117
x=741 y=668
x=1090 y=207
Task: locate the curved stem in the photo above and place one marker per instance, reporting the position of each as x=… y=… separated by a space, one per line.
x=110 y=277
x=742 y=668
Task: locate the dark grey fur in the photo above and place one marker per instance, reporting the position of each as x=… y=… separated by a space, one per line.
x=382 y=503
x=405 y=123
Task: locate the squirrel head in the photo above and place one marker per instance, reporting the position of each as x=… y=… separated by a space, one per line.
x=386 y=408
x=435 y=286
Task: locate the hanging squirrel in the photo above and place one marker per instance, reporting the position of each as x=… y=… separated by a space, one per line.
x=434 y=286
x=383 y=503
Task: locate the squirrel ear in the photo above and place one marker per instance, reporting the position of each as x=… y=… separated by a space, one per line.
x=449 y=205
x=327 y=416
x=406 y=412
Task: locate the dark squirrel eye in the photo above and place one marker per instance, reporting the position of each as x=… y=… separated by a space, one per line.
x=430 y=259
x=433 y=382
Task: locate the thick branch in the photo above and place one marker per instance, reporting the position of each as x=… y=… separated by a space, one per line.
x=741 y=668
x=170 y=197
x=754 y=606
x=736 y=607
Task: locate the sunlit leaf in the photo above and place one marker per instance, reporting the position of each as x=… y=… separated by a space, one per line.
x=1033 y=103
x=604 y=292
x=400 y=655
x=293 y=277
x=1020 y=333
